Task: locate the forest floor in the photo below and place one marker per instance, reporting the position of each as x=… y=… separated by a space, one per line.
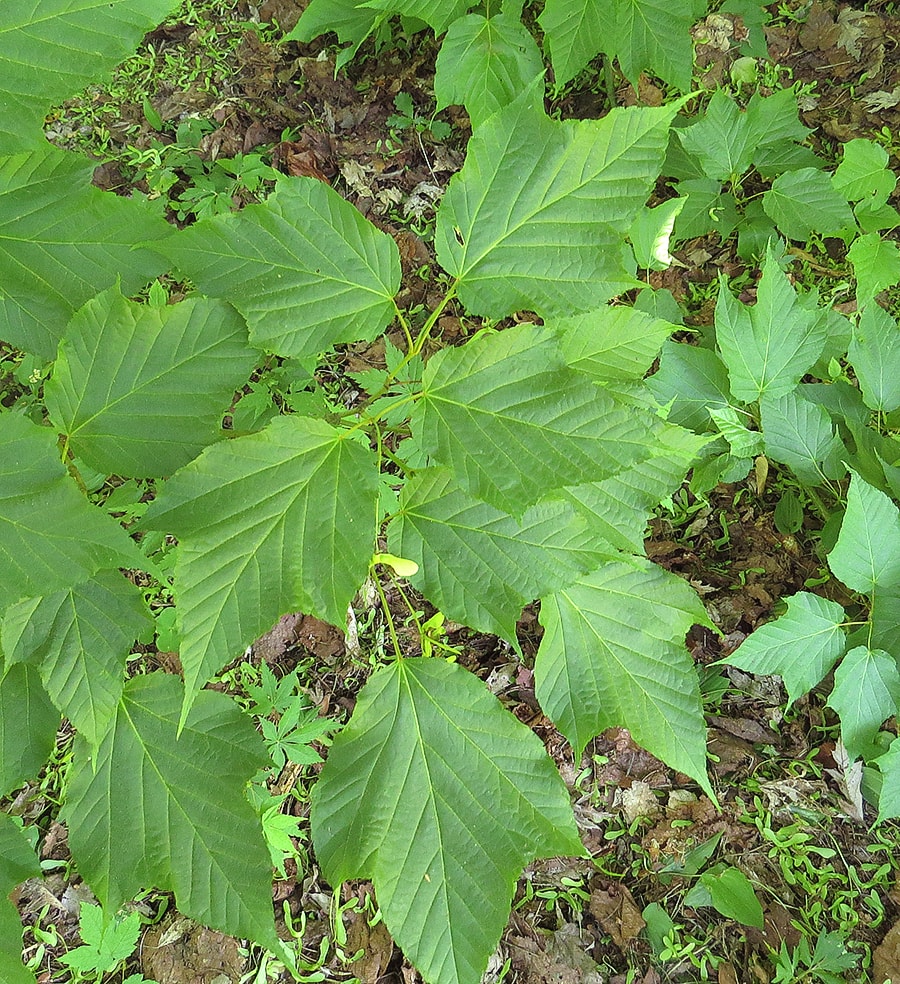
x=789 y=815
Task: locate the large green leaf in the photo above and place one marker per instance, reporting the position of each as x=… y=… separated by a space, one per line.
x=28 y=723
x=573 y=33
x=80 y=639
x=51 y=537
x=803 y=202
x=352 y=23
x=876 y=263
x=278 y=521
x=691 y=381
x=305 y=269
x=155 y=808
x=866 y=692
x=655 y=36
x=440 y=797
x=889 y=799
x=140 y=391
x=61 y=241
x=800 y=434
x=613 y=653
x=722 y=140
x=51 y=49
x=484 y=63
x=479 y=565
x=800 y=647
x=769 y=346
x=513 y=421
x=438 y=14
x=17 y=863
x=867 y=553
x=536 y=217
x=863 y=172
x=875 y=357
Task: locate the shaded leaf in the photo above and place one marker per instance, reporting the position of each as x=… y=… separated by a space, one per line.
x=573 y=30
x=140 y=391
x=800 y=434
x=803 y=202
x=28 y=723
x=889 y=766
x=613 y=654
x=18 y=862
x=863 y=172
x=875 y=356
x=866 y=692
x=876 y=263
x=690 y=382
x=440 y=797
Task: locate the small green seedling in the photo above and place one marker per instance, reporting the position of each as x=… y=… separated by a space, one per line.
x=106 y=943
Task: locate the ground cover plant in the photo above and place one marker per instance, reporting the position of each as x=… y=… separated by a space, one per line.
x=154 y=492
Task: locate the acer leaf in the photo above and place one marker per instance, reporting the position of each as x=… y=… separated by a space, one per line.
x=769 y=346
x=351 y=22
x=613 y=654
x=155 y=808
x=775 y=132
x=440 y=797
x=484 y=63
x=50 y=535
x=800 y=434
x=875 y=357
x=438 y=14
x=304 y=268
x=481 y=566
x=801 y=646
x=18 y=862
x=863 y=172
x=140 y=391
x=80 y=638
x=866 y=692
x=573 y=30
x=723 y=141
x=61 y=241
x=876 y=263
x=28 y=723
x=50 y=50
x=274 y=522
x=889 y=798
x=512 y=421
x=732 y=425
x=803 y=202
x=867 y=553
x=535 y=219
x=690 y=382
x=655 y=36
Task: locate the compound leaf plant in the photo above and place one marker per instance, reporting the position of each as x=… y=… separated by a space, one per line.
x=520 y=465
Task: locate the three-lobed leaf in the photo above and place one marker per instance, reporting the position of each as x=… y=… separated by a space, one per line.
x=440 y=797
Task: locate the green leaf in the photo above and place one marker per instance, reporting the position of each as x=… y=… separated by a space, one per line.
x=654 y=36
x=80 y=639
x=613 y=654
x=50 y=536
x=438 y=14
x=155 y=808
x=769 y=346
x=18 y=862
x=481 y=566
x=866 y=692
x=723 y=141
x=775 y=129
x=513 y=421
x=889 y=766
x=690 y=382
x=275 y=522
x=304 y=268
x=867 y=553
x=732 y=895
x=107 y=942
x=651 y=232
x=535 y=219
x=885 y=616
x=803 y=202
x=50 y=50
x=61 y=241
x=801 y=646
x=732 y=425
x=140 y=391
x=875 y=357
x=863 y=172
x=484 y=63
x=440 y=797
x=28 y=723
x=876 y=263
x=707 y=208
x=573 y=30
x=351 y=22
x=612 y=343
x=800 y=434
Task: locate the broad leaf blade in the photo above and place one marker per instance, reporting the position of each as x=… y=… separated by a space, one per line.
x=800 y=434
x=866 y=693
x=876 y=263
x=690 y=382
x=875 y=357
x=655 y=35
x=80 y=639
x=863 y=172
x=613 y=653
x=440 y=797
x=50 y=536
x=769 y=346
x=803 y=202
x=800 y=647
x=61 y=241
x=157 y=808
x=304 y=268
x=437 y=14
x=889 y=766
x=270 y=523
x=140 y=391
x=481 y=566
x=28 y=723
x=723 y=141
x=867 y=553
x=573 y=32
x=536 y=217
x=484 y=63
x=50 y=50
x=513 y=422
x=18 y=862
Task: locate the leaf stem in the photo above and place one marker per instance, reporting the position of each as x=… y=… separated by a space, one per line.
x=387 y=614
